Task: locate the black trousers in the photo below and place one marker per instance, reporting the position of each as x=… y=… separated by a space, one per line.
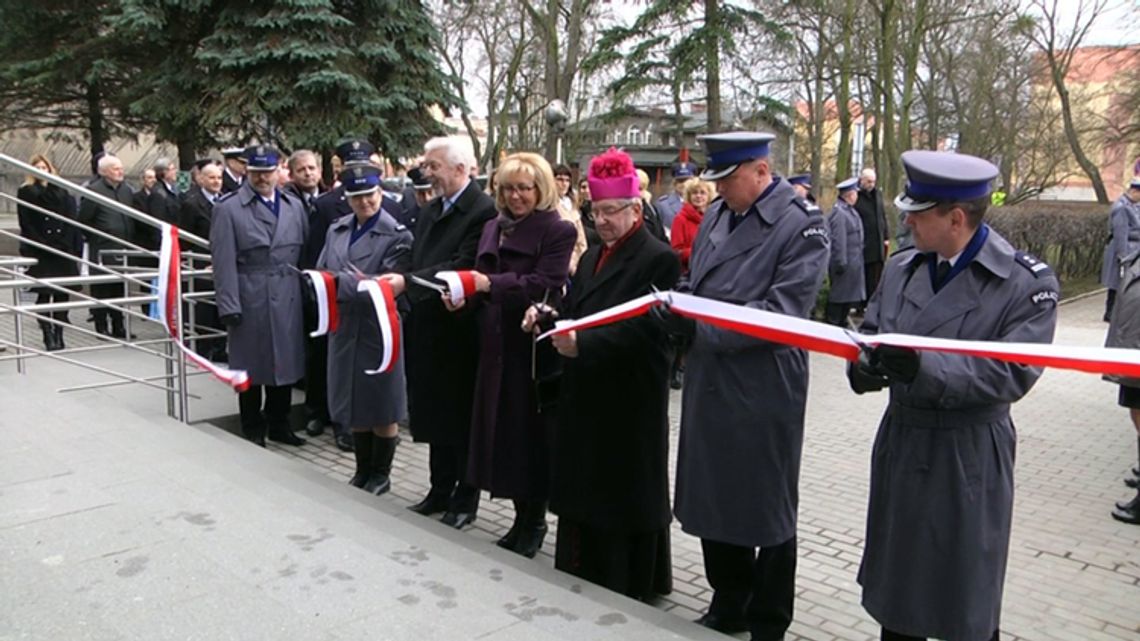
x=448 y=467
x=1109 y=302
x=871 y=274
x=888 y=635
x=316 y=378
x=760 y=586
x=836 y=313
x=104 y=291
x=275 y=414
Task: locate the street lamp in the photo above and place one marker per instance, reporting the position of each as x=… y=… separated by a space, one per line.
x=556 y=117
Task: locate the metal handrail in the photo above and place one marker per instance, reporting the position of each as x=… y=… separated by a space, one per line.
x=99 y=198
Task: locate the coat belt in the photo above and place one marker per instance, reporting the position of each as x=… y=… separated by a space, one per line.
x=946 y=419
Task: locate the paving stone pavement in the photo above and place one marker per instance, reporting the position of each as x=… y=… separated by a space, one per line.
x=1074 y=573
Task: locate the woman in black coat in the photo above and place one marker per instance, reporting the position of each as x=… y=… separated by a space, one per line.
x=52 y=232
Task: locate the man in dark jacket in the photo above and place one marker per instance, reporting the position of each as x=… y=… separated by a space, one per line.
x=115 y=223
x=610 y=486
x=195 y=216
x=876 y=235
x=233 y=174
x=442 y=347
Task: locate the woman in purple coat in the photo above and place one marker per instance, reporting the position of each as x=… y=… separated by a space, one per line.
x=523 y=258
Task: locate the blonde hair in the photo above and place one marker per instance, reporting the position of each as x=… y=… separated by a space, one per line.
x=696 y=185
x=30 y=179
x=536 y=168
x=643 y=185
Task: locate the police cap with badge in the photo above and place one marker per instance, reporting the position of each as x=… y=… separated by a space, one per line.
x=261 y=158
x=851 y=184
x=940 y=177
x=729 y=150
x=355 y=151
x=360 y=180
x=684 y=170
x=803 y=180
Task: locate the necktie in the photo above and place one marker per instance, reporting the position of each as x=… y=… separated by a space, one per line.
x=942 y=271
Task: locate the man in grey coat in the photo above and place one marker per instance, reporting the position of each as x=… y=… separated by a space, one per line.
x=742 y=420
x=1123 y=241
x=256 y=237
x=113 y=223
x=941 y=499
x=845 y=268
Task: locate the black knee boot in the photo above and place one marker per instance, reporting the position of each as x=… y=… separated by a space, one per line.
x=49 y=336
x=362 y=449
x=383 y=450
x=511 y=538
x=58 y=329
x=532 y=528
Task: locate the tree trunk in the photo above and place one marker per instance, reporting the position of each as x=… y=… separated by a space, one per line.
x=890 y=180
x=843 y=94
x=1072 y=136
x=95 y=126
x=712 y=53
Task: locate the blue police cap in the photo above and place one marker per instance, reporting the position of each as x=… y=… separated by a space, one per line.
x=684 y=170
x=419 y=180
x=847 y=185
x=934 y=177
x=800 y=179
x=360 y=179
x=355 y=151
x=727 y=151
x=261 y=158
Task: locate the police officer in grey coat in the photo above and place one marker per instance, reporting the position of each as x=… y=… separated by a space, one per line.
x=368 y=242
x=1123 y=240
x=256 y=237
x=669 y=205
x=742 y=420
x=845 y=268
x=942 y=466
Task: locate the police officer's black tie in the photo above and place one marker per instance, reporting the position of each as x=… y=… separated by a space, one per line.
x=941 y=273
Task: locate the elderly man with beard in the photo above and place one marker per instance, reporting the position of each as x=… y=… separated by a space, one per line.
x=610 y=458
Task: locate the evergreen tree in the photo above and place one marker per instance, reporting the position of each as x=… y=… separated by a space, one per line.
x=62 y=70
x=303 y=73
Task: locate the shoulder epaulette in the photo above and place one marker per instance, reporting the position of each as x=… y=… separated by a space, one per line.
x=807 y=207
x=1030 y=262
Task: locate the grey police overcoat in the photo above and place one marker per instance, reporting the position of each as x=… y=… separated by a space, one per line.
x=941 y=496
x=254 y=256
x=357 y=399
x=742 y=414
x=845 y=267
x=1124 y=239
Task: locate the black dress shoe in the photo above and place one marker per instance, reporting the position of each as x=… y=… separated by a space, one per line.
x=344 y=442
x=315 y=427
x=287 y=437
x=733 y=625
x=530 y=540
x=1132 y=482
x=1127 y=516
x=378 y=484
x=431 y=504
x=1136 y=471
x=1132 y=504
x=458 y=520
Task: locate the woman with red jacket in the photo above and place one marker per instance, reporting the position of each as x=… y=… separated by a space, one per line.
x=698 y=195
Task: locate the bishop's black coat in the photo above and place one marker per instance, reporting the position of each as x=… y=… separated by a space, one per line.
x=611 y=444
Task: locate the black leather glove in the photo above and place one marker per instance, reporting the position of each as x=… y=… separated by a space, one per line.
x=675 y=325
x=896 y=363
x=231 y=320
x=864 y=377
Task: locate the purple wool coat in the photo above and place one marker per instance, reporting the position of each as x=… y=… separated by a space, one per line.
x=510 y=444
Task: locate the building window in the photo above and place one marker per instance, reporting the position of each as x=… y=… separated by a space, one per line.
x=634 y=135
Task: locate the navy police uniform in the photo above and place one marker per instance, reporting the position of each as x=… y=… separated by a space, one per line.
x=255 y=245
x=941 y=497
x=738 y=462
x=845 y=267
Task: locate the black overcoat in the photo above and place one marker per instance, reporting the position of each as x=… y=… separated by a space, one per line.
x=509 y=454
x=443 y=347
x=611 y=443
x=44 y=229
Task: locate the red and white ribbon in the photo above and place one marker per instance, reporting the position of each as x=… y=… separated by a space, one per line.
x=828 y=339
x=460 y=284
x=384 y=302
x=169 y=299
x=328 y=315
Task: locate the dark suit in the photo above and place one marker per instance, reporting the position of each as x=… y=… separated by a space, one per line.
x=116 y=224
x=194 y=216
x=229 y=183
x=610 y=463
x=443 y=347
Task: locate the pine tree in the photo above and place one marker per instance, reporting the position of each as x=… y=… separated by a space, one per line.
x=304 y=73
